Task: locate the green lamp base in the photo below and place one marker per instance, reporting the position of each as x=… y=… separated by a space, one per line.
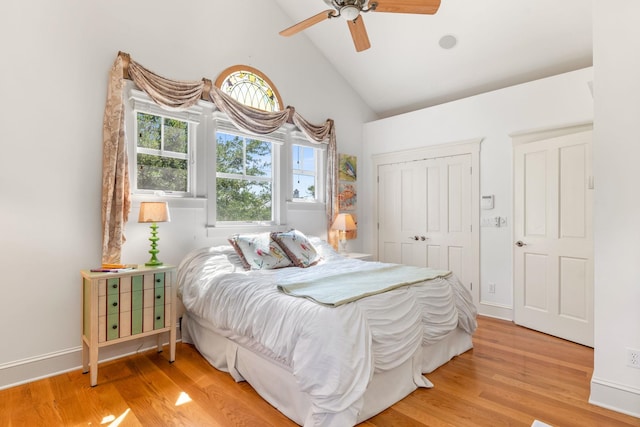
x=154 y=262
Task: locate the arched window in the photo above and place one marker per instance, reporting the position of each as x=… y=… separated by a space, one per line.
x=250 y=87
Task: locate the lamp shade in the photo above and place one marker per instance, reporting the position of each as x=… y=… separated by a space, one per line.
x=154 y=212
x=344 y=222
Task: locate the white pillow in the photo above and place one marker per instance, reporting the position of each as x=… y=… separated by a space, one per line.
x=297 y=247
x=259 y=252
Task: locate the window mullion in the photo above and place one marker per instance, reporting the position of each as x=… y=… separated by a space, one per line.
x=162 y=134
x=244 y=156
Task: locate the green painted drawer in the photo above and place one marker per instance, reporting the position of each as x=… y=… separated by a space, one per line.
x=137 y=283
x=136 y=321
x=113 y=304
x=158 y=317
x=159 y=280
x=113 y=326
x=113 y=286
x=158 y=296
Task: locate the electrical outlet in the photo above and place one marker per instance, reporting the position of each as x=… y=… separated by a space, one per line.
x=633 y=358
x=492 y=288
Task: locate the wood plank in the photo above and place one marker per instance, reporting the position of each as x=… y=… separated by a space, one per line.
x=511 y=377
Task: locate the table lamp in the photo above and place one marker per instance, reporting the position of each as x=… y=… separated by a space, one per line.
x=344 y=222
x=154 y=212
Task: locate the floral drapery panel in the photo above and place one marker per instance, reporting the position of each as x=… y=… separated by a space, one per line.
x=115 y=171
x=179 y=95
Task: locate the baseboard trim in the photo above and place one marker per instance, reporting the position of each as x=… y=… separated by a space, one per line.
x=51 y=364
x=498 y=311
x=616 y=397
x=35 y=368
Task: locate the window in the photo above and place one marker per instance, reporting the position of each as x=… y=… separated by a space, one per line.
x=162 y=152
x=162 y=146
x=249 y=86
x=200 y=157
x=244 y=179
x=304 y=173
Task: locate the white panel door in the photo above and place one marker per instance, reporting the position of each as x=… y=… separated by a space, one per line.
x=402 y=211
x=424 y=214
x=553 y=252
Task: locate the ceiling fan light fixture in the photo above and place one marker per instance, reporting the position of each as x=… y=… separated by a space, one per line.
x=350 y=12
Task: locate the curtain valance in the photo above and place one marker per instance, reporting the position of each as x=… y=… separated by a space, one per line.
x=177 y=95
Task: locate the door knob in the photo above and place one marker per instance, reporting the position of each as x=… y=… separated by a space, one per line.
x=414 y=238
x=520 y=243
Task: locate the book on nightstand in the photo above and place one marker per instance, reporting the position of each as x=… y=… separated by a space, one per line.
x=114 y=268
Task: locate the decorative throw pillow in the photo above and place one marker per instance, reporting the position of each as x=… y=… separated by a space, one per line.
x=259 y=252
x=298 y=247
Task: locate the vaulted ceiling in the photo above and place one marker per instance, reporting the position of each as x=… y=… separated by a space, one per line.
x=499 y=43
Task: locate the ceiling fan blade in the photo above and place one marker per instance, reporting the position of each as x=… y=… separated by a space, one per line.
x=359 y=34
x=428 y=7
x=303 y=25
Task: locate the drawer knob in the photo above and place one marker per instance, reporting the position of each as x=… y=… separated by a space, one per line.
x=114 y=327
x=159 y=296
x=157 y=317
x=115 y=304
x=158 y=280
x=114 y=286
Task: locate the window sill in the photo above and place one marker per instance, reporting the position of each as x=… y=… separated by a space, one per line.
x=224 y=231
x=174 y=201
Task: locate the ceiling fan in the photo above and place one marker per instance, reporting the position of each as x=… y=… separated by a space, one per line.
x=352 y=11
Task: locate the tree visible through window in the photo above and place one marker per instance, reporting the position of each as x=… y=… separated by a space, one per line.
x=244 y=179
x=162 y=150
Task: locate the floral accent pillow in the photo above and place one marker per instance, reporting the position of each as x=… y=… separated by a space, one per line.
x=297 y=247
x=259 y=252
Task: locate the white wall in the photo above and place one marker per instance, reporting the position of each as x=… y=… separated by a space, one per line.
x=555 y=102
x=617 y=205
x=552 y=102
x=55 y=62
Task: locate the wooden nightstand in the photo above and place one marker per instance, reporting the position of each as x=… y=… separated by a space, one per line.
x=356 y=255
x=124 y=306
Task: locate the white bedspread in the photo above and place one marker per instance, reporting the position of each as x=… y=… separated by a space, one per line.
x=332 y=351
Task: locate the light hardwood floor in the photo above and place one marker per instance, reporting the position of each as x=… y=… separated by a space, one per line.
x=511 y=377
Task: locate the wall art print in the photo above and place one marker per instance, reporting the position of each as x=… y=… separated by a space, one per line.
x=347 y=196
x=347 y=167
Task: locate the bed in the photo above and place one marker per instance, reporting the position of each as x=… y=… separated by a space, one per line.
x=321 y=362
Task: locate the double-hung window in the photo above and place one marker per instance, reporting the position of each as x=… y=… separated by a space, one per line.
x=307 y=164
x=244 y=178
x=162 y=147
x=162 y=154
